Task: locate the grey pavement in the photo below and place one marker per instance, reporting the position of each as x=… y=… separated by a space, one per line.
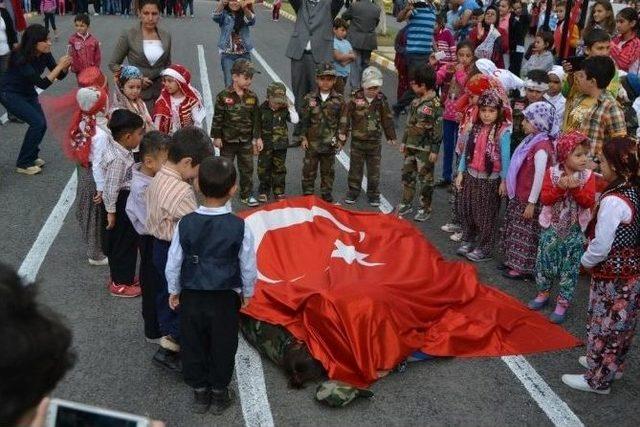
x=114 y=362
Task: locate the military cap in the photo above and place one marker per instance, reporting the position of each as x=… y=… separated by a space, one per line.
x=338 y=394
x=326 y=69
x=277 y=93
x=243 y=66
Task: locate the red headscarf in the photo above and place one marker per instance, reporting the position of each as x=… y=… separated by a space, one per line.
x=77 y=144
x=566 y=143
x=192 y=99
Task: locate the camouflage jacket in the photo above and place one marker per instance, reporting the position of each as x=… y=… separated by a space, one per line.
x=367 y=121
x=236 y=119
x=273 y=126
x=424 y=125
x=270 y=340
x=320 y=121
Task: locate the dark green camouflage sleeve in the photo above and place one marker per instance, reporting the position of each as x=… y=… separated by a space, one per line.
x=218 y=117
x=257 y=121
x=304 y=117
x=386 y=116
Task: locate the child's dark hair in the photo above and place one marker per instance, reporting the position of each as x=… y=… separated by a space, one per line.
x=547 y=38
x=561 y=3
x=190 y=142
x=600 y=68
x=143 y=3
x=37 y=349
x=468 y=44
x=154 y=142
x=595 y=35
x=610 y=22
x=123 y=122
x=477 y=12
x=340 y=23
x=84 y=18
x=630 y=14
x=538 y=76
x=216 y=177
x=300 y=366
x=622 y=154
x=424 y=75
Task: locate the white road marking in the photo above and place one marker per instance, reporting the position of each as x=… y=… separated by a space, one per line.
x=555 y=408
x=249 y=374
x=32 y=262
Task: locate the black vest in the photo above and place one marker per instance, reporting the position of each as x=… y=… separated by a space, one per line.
x=211 y=245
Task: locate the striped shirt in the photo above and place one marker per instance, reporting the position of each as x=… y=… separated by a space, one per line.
x=169 y=198
x=420 y=30
x=116 y=164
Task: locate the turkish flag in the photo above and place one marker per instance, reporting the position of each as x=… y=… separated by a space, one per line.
x=364 y=290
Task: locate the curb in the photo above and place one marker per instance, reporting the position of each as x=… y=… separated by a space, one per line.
x=375 y=57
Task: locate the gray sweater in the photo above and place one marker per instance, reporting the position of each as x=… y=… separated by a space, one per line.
x=543 y=62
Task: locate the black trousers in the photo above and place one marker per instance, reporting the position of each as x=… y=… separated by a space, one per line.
x=149 y=281
x=209 y=337
x=121 y=244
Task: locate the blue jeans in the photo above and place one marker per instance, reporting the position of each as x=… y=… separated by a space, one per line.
x=111 y=7
x=27 y=109
x=226 y=61
x=449 y=139
x=188 y=4
x=168 y=320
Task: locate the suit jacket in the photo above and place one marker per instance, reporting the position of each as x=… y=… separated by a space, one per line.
x=364 y=17
x=130 y=46
x=313 y=23
x=12 y=37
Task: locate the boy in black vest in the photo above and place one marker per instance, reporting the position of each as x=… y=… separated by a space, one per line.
x=211 y=271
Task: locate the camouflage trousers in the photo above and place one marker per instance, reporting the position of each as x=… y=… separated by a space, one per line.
x=272 y=170
x=417 y=169
x=361 y=155
x=244 y=152
x=310 y=170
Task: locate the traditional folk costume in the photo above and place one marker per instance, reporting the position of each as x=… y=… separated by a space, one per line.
x=120 y=100
x=484 y=162
x=528 y=164
x=564 y=217
x=173 y=112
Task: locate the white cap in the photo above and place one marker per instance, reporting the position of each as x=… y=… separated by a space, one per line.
x=371 y=76
x=87 y=98
x=557 y=71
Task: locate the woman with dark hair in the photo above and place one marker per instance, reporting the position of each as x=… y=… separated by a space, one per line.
x=487 y=37
x=234 y=18
x=18 y=95
x=612 y=258
x=625 y=46
x=147 y=47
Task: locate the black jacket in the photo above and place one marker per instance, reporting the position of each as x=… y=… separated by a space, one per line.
x=518 y=29
x=12 y=36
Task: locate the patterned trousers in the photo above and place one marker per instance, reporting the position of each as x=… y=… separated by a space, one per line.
x=310 y=170
x=244 y=152
x=479 y=209
x=371 y=156
x=611 y=326
x=272 y=170
x=417 y=169
x=520 y=238
x=558 y=261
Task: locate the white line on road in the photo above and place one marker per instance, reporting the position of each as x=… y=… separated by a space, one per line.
x=32 y=262
x=248 y=367
x=556 y=409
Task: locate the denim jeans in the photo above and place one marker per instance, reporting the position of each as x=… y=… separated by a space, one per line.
x=188 y=4
x=226 y=61
x=50 y=19
x=29 y=110
x=111 y=7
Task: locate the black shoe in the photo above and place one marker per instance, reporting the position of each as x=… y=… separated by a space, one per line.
x=201 y=400
x=14 y=119
x=167 y=359
x=327 y=198
x=220 y=401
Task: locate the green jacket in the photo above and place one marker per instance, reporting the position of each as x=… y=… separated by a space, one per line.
x=424 y=125
x=236 y=119
x=320 y=121
x=367 y=120
x=273 y=125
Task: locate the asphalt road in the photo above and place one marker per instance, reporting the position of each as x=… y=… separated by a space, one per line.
x=114 y=368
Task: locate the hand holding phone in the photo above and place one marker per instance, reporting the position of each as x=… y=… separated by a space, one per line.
x=63 y=412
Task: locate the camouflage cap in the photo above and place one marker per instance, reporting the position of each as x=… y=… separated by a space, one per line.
x=338 y=394
x=243 y=66
x=277 y=93
x=326 y=69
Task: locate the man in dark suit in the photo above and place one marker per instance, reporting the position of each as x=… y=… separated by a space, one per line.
x=364 y=16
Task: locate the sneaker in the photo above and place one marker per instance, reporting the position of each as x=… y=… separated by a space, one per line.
x=124 y=291
x=465 y=249
x=220 y=400
x=374 y=201
x=557 y=318
x=404 y=209
x=97 y=262
x=30 y=170
x=450 y=228
x=578 y=382
x=514 y=274
x=39 y=162
x=582 y=360
x=422 y=215
x=263 y=198
x=351 y=198
x=201 y=400
x=167 y=359
x=327 y=198
x=456 y=237
x=250 y=201
x=478 y=255
x=169 y=343
x=153 y=340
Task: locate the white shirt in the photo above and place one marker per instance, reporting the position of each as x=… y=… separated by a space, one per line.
x=613 y=211
x=152 y=50
x=248 y=265
x=540 y=167
x=98 y=142
x=293 y=115
x=4 y=42
x=324 y=96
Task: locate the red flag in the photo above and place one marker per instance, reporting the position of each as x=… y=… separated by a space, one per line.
x=364 y=290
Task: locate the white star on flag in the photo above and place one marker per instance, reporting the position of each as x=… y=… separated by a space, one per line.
x=350 y=254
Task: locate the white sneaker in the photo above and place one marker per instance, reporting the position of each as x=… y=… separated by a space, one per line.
x=578 y=382
x=582 y=360
x=169 y=343
x=103 y=261
x=31 y=170
x=456 y=237
x=450 y=228
x=39 y=162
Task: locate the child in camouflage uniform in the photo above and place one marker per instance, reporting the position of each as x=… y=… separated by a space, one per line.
x=368 y=113
x=274 y=114
x=321 y=112
x=421 y=143
x=236 y=126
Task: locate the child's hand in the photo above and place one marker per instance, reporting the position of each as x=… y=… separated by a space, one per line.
x=402 y=148
x=174 y=301
x=391 y=142
x=217 y=142
x=502 y=190
x=458 y=182
x=245 y=301
x=528 y=211
x=111 y=220
x=433 y=157
x=566 y=66
x=146 y=82
x=573 y=182
x=304 y=143
x=257 y=146
x=563 y=182
x=97 y=198
x=451 y=68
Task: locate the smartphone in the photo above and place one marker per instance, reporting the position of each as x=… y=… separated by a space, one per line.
x=575 y=61
x=64 y=413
